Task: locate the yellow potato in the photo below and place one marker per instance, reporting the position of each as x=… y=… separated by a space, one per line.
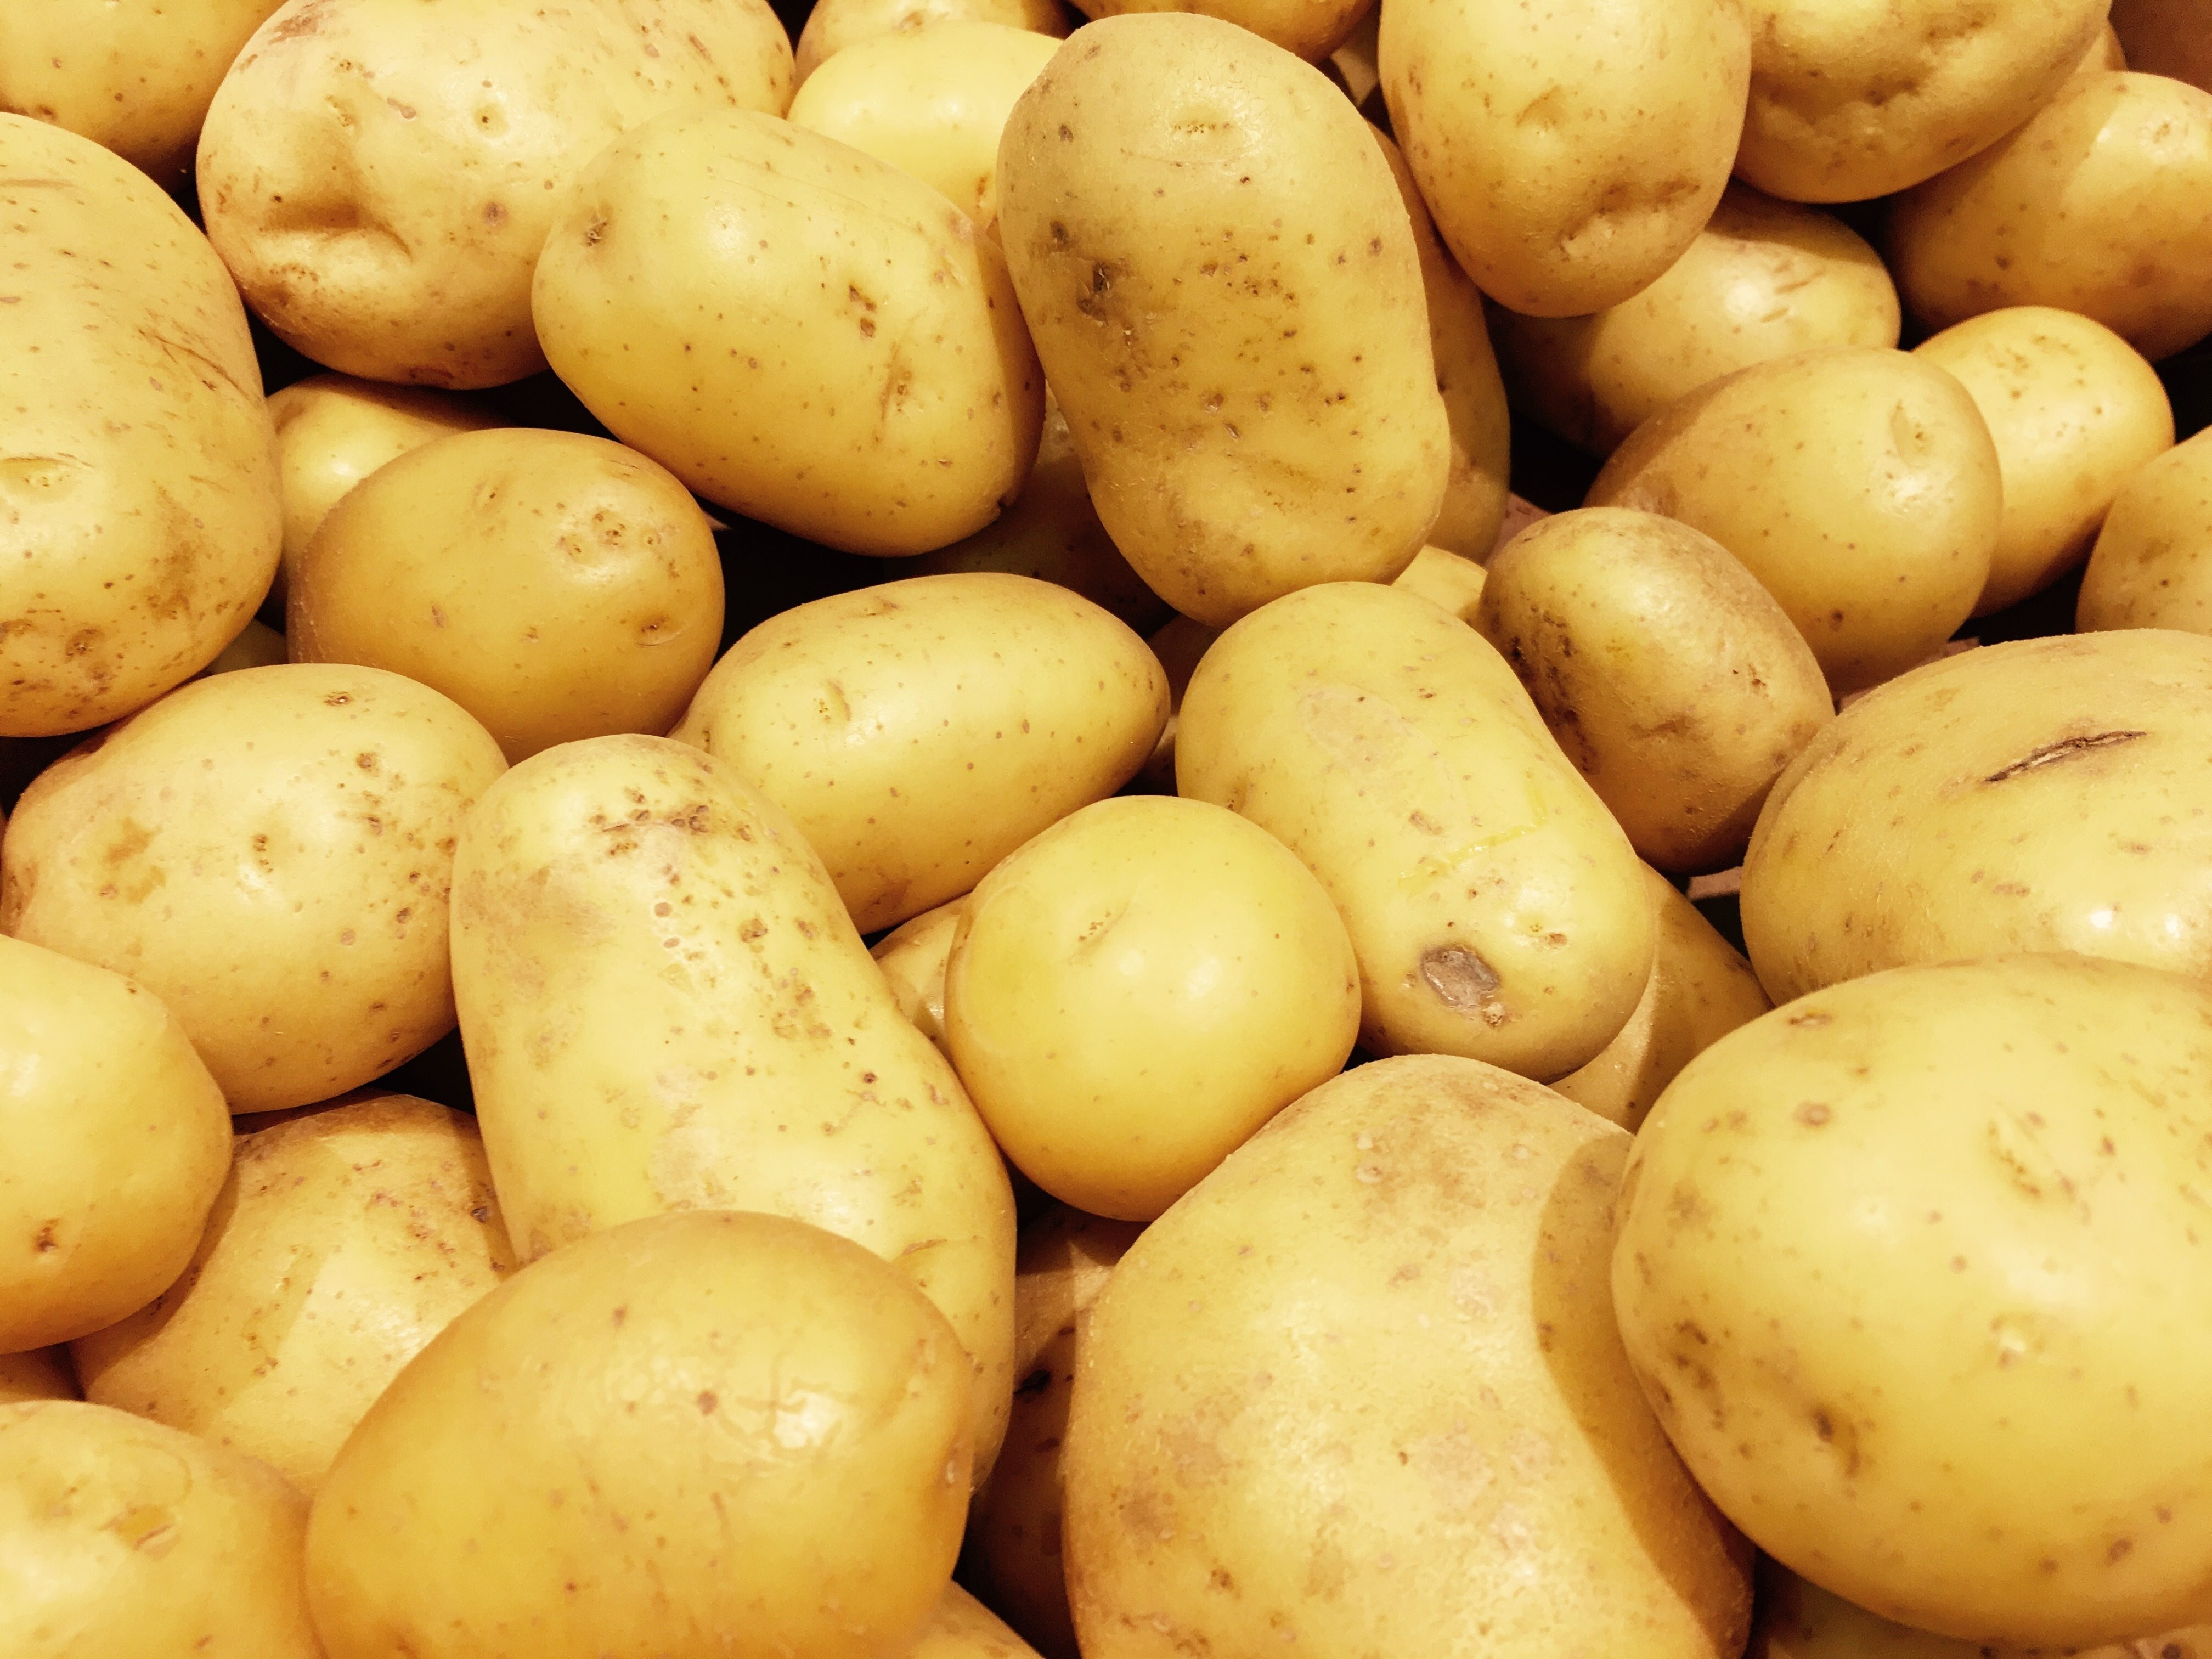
x=2045 y=795
x=1671 y=678
x=1992 y=1172
x=2074 y=413
x=1569 y=150
x=1764 y=279
x=347 y=1238
x=122 y=1538
x=920 y=731
x=1448 y=580
x=913 y=958
x=1179 y=645
x=380 y=175
x=37 y=1374
x=833 y=25
x=1495 y=906
x=139 y=520
x=118 y=1139
x=653 y=1439
x=1361 y=1392
x=1213 y=201
x=2106 y=52
x=1311 y=29
x=2100 y=204
x=258 y=646
x=267 y=851
x=2152 y=567
x=665 y=1008
x=555 y=585
x=1860 y=487
x=964 y=1628
x=2165 y=37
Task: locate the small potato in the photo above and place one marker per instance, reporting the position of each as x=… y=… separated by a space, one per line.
x=1764 y=279
x=1178 y=646
x=1311 y=29
x=2165 y=37
x=2074 y=413
x=258 y=646
x=833 y=25
x=37 y=1374
x=913 y=958
x=1860 y=487
x=2100 y=204
x=2105 y=52
x=555 y=585
x=1445 y=580
x=2153 y=563
x=799 y=332
x=964 y=1628
x=1672 y=679
x=268 y=852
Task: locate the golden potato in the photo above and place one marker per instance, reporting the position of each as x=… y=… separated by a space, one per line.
x=1213 y=198
x=2152 y=567
x=268 y=852
x=2105 y=52
x=964 y=1628
x=656 y=1435
x=1181 y=643
x=1447 y=579
x=258 y=646
x=37 y=1374
x=833 y=25
x=913 y=958
x=1311 y=29
x=2165 y=37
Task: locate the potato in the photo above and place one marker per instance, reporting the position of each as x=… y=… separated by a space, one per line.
x=920 y=731
x=1180 y=645
x=118 y=1139
x=2105 y=52
x=139 y=520
x=1447 y=579
x=964 y=1628
x=2100 y=204
x=1215 y=198
x=665 y=1008
x=382 y=207
x=37 y=1374
x=2165 y=37
x=1571 y=150
x=871 y=386
x=1361 y=1392
x=1992 y=1172
x=2044 y=795
x=913 y=958
x=1841 y=112
x=833 y=25
x=1764 y=279
x=122 y=1537
x=346 y=1239
x=1861 y=487
x=555 y=585
x=1671 y=678
x=258 y=646
x=1495 y=909
x=2153 y=563
x=267 y=852
x=659 y=1434
x=1311 y=29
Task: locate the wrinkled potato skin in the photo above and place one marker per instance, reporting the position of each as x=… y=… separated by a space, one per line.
x=1215 y=197
x=1569 y=150
x=913 y=955
x=390 y=1199
x=1764 y=279
x=833 y=25
x=2165 y=37
x=139 y=516
x=37 y=1374
x=1496 y=908
x=2152 y=567
x=1993 y=1170
x=2045 y=795
x=1310 y=29
x=1459 y=1221
x=1860 y=487
x=1670 y=678
x=2101 y=204
x=380 y=175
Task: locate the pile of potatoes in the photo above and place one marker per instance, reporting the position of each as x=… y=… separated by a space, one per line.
x=1165 y=836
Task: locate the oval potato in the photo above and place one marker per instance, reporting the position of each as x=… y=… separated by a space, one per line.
x=833 y=25
x=2152 y=566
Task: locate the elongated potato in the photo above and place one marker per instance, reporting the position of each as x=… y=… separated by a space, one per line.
x=1226 y=293
x=833 y=25
x=2152 y=566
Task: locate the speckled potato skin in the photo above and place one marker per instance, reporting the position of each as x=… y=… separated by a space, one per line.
x=2165 y=37
x=665 y=1007
x=2152 y=566
x=1227 y=295
x=700 y=1433
x=1495 y=909
x=919 y=731
x=1571 y=151
x=37 y=1374
x=139 y=515
x=1993 y=1239
x=2101 y=204
x=2044 y=795
x=833 y=25
x=267 y=851
x=1860 y=487
x=346 y=1239
x=1495 y=1487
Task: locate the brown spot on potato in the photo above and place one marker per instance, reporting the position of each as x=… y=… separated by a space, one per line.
x=1812 y=1114
x=1463 y=981
x=2064 y=749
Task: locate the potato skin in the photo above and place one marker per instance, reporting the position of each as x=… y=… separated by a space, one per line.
x=833 y=25
x=139 y=515
x=913 y=955
x=1310 y=29
x=2152 y=566
x=1450 y=582
x=1993 y=1170
x=1215 y=197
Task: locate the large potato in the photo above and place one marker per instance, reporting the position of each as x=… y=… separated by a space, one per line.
x=1361 y=1392
x=706 y=1433
x=2152 y=567
x=833 y=25
x=1569 y=150
x=2100 y=204
x=139 y=515
x=268 y=852
x=1877 y=1244
x=2165 y=37
x=1227 y=295
x=2045 y=795
x=380 y=175
x=1861 y=487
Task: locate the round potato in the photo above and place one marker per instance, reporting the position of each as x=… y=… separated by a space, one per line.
x=913 y=958
x=2165 y=37
x=268 y=852
x=2153 y=563
x=833 y=25
x=2101 y=204
x=37 y=1374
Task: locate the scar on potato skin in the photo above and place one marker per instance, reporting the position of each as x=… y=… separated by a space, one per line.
x=2064 y=749
x=1463 y=981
